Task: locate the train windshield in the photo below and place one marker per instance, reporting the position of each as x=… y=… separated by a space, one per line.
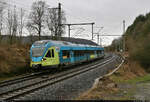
x=40 y=43
x=37 y=52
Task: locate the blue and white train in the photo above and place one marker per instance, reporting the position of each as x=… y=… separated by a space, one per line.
x=46 y=53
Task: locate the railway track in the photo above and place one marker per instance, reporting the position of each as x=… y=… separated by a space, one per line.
x=20 y=79
x=24 y=77
x=50 y=80
x=29 y=76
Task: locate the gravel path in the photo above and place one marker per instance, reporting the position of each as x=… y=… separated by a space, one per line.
x=70 y=88
x=143 y=91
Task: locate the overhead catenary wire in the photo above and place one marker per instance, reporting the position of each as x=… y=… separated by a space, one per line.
x=18 y=6
x=10 y=6
x=22 y=4
x=24 y=7
x=75 y=17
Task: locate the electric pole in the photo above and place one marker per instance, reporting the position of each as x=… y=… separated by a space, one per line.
x=124 y=43
x=92 y=30
x=69 y=25
x=69 y=30
x=1 y=26
x=101 y=41
x=98 y=36
x=98 y=39
x=59 y=20
x=21 y=23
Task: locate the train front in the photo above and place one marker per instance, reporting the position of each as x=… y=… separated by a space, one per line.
x=37 y=52
x=44 y=54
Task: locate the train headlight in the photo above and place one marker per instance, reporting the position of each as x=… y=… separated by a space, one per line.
x=43 y=59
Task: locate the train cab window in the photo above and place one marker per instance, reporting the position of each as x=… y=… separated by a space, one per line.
x=48 y=54
x=52 y=52
x=66 y=54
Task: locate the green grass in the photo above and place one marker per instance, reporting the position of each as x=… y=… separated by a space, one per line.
x=131 y=92
x=145 y=78
x=117 y=78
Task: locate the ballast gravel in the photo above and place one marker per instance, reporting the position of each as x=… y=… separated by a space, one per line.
x=72 y=87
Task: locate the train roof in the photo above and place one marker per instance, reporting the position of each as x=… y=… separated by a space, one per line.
x=76 y=41
x=66 y=45
x=68 y=42
x=79 y=41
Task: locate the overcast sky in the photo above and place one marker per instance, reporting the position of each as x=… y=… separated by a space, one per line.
x=107 y=13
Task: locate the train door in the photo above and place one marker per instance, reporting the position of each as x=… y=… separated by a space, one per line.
x=95 y=52
x=71 y=56
x=51 y=57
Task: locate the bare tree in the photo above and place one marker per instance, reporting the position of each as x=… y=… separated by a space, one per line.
x=12 y=24
x=37 y=17
x=52 y=21
x=15 y=22
x=21 y=23
x=2 y=7
x=31 y=31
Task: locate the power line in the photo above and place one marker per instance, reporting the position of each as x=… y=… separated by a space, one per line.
x=19 y=3
x=75 y=17
x=17 y=6
x=108 y=35
x=79 y=24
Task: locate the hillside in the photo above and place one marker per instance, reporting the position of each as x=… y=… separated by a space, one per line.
x=138 y=37
x=13 y=59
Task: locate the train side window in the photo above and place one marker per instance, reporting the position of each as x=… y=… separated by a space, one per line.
x=66 y=53
x=52 y=52
x=48 y=54
x=100 y=52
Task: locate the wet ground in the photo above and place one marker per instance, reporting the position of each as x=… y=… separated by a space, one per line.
x=143 y=91
x=136 y=91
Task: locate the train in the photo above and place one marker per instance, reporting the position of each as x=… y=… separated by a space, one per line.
x=52 y=53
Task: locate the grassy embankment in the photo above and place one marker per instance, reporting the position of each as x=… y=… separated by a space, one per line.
x=14 y=60
x=109 y=88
